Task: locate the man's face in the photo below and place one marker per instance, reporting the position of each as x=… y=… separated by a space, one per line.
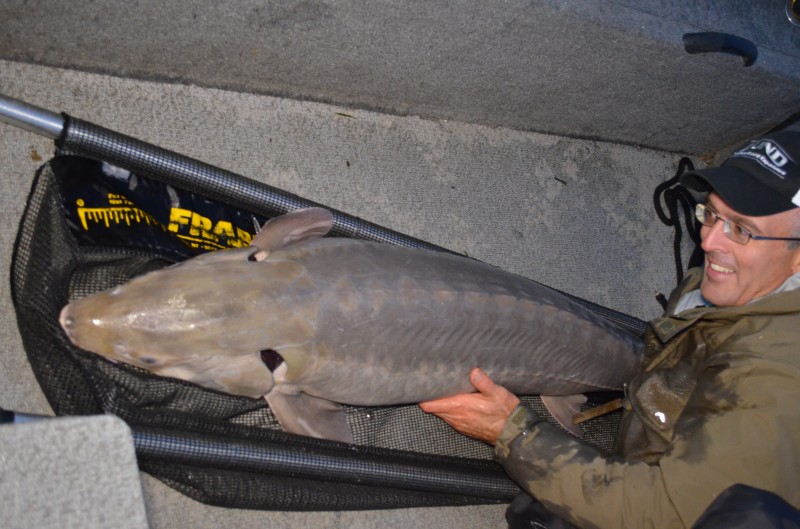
x=734 y=273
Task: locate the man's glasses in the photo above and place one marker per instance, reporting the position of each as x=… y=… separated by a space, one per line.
x=733 y=231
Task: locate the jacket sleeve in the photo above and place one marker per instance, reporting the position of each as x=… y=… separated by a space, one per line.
x=741 y=425
x=578 y=483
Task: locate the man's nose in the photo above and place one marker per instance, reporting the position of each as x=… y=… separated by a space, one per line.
x=713 y=237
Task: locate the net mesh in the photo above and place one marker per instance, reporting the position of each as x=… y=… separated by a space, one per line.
x=222 y=449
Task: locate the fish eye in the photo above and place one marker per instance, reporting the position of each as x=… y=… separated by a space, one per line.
x=148 y=360
x=257 y=255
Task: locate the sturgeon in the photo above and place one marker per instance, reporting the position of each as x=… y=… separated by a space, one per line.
x=310 y=323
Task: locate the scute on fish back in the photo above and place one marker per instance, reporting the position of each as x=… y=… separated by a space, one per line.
x=308 y=321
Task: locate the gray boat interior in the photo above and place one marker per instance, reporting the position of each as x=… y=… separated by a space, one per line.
x=527 y=135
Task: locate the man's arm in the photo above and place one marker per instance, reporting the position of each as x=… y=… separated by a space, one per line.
x=742 y=425
x=571 y=477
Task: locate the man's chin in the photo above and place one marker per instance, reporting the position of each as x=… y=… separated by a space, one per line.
x=719 y=296
x=712 y=292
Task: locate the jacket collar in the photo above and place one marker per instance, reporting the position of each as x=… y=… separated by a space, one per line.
x=785 y=299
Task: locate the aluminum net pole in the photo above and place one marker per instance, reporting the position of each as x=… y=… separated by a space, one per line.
x=31 y=118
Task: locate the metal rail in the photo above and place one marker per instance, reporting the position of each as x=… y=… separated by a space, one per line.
x=30 y=118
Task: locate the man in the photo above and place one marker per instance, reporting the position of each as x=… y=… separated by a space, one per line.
x=717 y=399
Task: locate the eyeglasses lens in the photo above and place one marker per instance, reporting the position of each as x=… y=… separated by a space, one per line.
x=704 y=215
x=708 y=217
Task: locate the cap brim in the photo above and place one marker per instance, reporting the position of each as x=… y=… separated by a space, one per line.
x=739 y=189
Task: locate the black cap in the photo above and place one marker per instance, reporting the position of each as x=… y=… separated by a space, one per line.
x=760 y=178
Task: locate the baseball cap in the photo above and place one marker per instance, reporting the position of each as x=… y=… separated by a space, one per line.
x=761 y=178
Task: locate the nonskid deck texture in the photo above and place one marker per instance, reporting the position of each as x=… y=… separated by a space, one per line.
x=614 y=71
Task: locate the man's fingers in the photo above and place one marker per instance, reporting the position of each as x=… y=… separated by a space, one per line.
x=481 y=381
x=480 y=415
x=487 y=389
x=496 y=394
x=440 y=405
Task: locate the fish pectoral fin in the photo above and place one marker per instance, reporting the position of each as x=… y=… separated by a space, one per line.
x=291 y=228
x=563 y=409
x=306 y=415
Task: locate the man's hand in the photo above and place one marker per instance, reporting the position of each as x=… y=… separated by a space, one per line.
x=480 y=415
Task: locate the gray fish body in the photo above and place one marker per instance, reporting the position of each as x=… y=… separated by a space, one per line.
x=404 y=325
x=353 y=322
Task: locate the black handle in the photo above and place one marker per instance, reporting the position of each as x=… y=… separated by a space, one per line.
x=721 y=42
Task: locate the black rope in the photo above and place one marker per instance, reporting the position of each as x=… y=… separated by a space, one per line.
x=666 y=199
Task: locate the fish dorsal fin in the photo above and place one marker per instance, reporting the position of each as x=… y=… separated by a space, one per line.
x=291 y=228
x=303 y=414
x=563 y=409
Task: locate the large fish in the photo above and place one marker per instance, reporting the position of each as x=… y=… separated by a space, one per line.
x=309 y=322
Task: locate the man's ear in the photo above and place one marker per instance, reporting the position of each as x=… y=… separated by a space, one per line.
x=796 y=260
x=796 y=233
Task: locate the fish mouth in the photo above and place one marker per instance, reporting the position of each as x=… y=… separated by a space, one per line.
x=66 y=321
x=69 y=324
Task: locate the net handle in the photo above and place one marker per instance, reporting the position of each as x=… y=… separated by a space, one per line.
x=31 y=118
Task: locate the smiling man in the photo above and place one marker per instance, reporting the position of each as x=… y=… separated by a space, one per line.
x=738 y=273
x=717 y=399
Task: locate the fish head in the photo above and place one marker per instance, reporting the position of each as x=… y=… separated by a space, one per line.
x=211 y=319
x=185 y=321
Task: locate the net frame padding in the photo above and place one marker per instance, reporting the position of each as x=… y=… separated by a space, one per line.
x=171 y=419
x=99 y=143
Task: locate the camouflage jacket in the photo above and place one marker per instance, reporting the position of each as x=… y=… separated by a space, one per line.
x=717 y=402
